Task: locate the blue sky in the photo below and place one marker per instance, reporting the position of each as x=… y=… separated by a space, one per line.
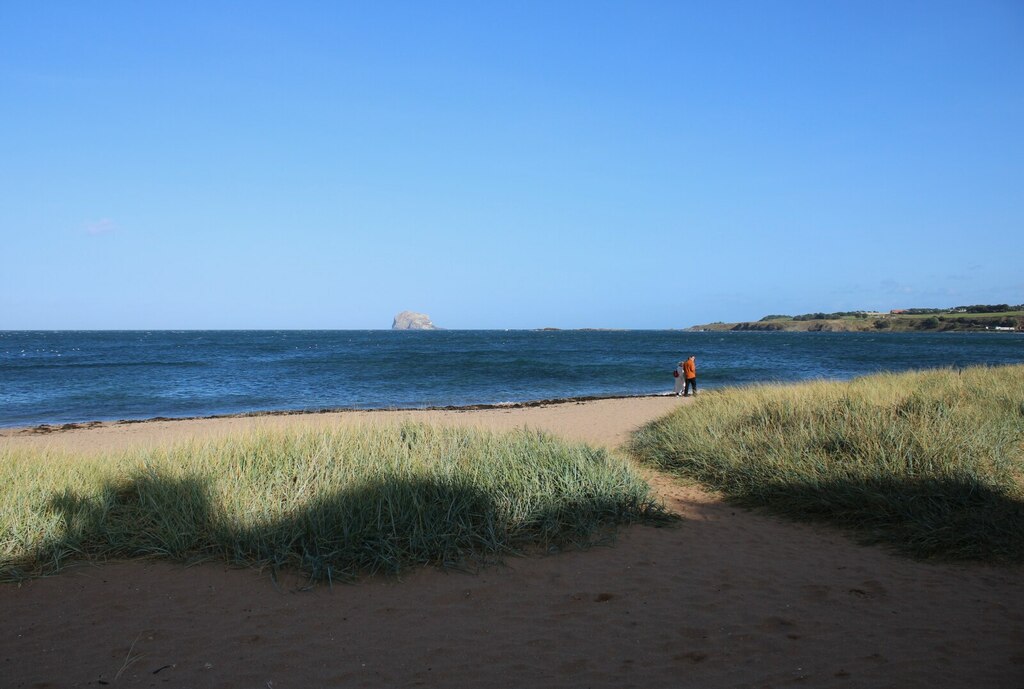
x=519 y=165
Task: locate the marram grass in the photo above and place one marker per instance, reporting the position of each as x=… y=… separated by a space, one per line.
x=930 y=463
x=333 y=503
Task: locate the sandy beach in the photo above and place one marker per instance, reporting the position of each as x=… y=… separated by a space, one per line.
x=728 y=598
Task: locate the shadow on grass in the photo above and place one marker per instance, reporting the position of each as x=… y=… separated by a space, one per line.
x=374 y=526
x=950 y=519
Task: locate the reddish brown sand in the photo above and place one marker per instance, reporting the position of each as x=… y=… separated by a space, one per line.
x=729 y=598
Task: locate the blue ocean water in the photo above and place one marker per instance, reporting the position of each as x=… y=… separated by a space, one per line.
x=76 y=376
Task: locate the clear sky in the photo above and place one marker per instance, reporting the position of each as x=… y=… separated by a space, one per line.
x=505 y=164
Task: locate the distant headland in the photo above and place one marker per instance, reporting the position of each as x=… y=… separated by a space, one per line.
x=583 y=330
x=992 y=317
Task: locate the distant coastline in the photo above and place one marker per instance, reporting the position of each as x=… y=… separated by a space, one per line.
x=979 y=318
x=587 y=330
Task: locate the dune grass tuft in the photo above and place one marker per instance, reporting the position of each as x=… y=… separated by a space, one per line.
x=931 y=463
x=335 y=504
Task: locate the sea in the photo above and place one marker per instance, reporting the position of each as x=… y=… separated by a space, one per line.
x=58 y=377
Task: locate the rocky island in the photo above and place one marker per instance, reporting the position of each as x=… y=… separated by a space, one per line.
x=410 y=320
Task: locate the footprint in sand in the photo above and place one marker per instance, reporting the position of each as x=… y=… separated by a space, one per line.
x=869 y=589
x=774 y=624
x=816 y=592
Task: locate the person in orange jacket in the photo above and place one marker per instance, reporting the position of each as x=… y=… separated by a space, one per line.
x=690 y=373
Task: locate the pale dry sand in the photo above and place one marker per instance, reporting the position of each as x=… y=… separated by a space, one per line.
x=729 y=598
x=605 y=422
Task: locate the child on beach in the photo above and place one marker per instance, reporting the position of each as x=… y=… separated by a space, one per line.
x=678 y=374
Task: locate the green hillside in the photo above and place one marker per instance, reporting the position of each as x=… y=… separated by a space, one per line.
x=997 y=318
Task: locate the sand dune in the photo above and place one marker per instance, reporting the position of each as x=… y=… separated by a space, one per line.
x=729 y=598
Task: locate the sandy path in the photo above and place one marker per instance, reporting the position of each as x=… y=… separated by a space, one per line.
x=727 y=599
